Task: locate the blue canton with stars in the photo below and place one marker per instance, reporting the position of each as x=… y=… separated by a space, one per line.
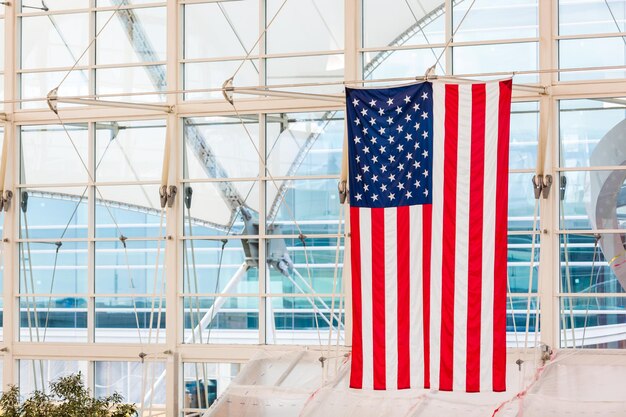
x=390 y=136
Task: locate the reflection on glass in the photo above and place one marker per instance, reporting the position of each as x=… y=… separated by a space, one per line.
x=53 y=319
x=211 y=76
x=209 y=210
x=37 y=374
x=45 y=149
x=494 y=20
x=130 y=319
x=203 y=382
x=312 y=269
x=519 y=253
x=145 y=79
x=584 y=267
x=217 y=266
x=219 y=147
x=593 y=322
x=129 y=151
x=583 y=53
x=304 y=320
x=524 y=135
x=308 y=69
x=303 y=206
x=221 y=320
x=53 y=212
x=520 y=310
x=220 y=29
x=586 y=17
x=400 y=22
x=130 y=211
x=402 y=63
x=130 y=379
x=305 y=26
x=53 y=268
x=304 y=143
x=498 y=58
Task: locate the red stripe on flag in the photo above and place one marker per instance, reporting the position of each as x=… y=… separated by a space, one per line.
x=500 y=272
x=427 y=211
x=378 y=296
x=356 y=371
x=404 y=299
x=451 y=139
x=475 y=253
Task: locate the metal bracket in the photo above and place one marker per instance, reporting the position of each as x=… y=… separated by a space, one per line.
x=6 y=200
x=343 y=191
x=163 y=195
x=542 y=185
x=227 y=90
x=52 y=100
x=24 y=202
x=562 y=186
x=188 y=196
x=171 y=195
x=546 y=353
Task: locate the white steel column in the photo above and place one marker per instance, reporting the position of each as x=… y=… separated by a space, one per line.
x=353 y=60
x=172 y=269
x=11 y=218
x=548 y=239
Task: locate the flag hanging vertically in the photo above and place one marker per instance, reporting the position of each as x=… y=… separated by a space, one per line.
x=428 y=175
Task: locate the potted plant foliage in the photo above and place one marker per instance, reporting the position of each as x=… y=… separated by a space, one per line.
x=68 y=398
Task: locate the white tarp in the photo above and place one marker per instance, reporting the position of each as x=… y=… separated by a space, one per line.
x=573 y=383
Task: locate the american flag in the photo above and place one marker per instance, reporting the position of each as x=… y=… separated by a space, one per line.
x=428 y=176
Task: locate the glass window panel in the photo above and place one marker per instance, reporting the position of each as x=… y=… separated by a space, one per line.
x=54 y=40
x=312 y=269
x=497 y=58
x=586 y=267
x=304 y=321
x=44 y=270
x=593 y=200
x=1 y=42
x=129 y=210
x=222 y=208
x=401 y=22
x=495 y=19
x=235 y=320
x=219 y=147
x=216 y=266
x=583 y=53
x=403 y=63
x=115 y=3
x=133 y=35
x=130 y=270
x=302 y=206
x=578 y=17
x=53 y=5
x=129 y=151
x=53 y=213
x=211 y=75
x=524 y=135
x=47 y=149
x=36 y=86
x=593 y=322
x=305 y=26
x=583 y=125
x=37 y=374
x=130 y=320
x=521 y=202
x=519 y=256
x=234 y=23
x=308 y=69
x=53 y=319
x=304 y=143
x=133 y=80
x=518 y=310
x=203 y=383
x=130 y=379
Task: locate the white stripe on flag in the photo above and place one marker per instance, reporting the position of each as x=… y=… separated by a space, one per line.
x=462 y=236
x=416 y=338
x=489 y=220
x=437 y=232
x=366 y=297
x=391 y=298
